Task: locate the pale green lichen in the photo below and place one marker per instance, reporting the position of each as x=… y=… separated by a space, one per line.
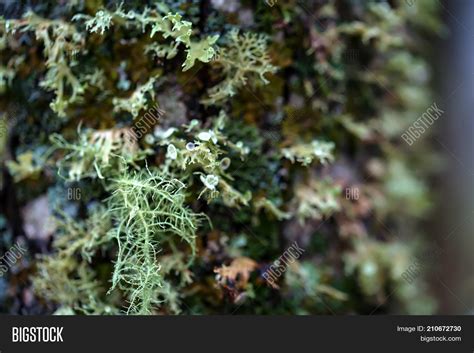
x=60 y=39
x=201 y=151
x=169 y=26
x=149 y=212
x=305 y=153
x=245 y=58
x=316 y=200
x=138 y=100
x=24 y=167
x=96 y=152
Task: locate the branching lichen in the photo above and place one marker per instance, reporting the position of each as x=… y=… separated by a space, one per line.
x=148 y=212
x=96 y=152
x=244 y=58
x=61 y=42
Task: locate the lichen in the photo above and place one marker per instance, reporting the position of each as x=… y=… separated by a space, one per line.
x=271 y=128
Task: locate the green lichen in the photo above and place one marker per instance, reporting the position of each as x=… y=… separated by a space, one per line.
x=149 y=212
x=245 y=58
